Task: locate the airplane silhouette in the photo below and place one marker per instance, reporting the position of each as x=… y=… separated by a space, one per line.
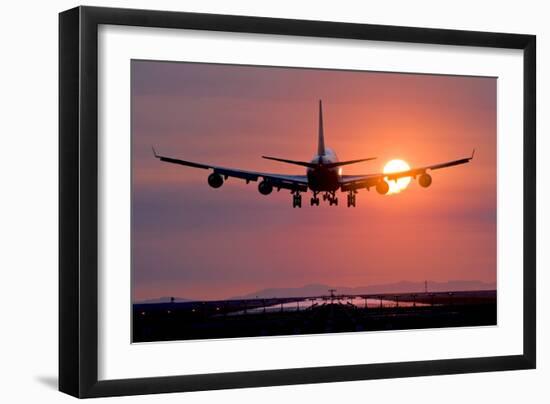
x=323 y=175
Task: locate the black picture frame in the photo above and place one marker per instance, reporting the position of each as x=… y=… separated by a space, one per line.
x=78 y=201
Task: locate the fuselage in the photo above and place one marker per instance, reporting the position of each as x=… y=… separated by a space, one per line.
x=323 y=178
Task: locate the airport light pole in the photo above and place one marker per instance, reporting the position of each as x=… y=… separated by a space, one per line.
x=332 y=295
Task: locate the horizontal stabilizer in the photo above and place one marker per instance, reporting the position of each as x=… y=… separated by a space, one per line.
x=316 y=165
x=345 y=163
x=298 y=163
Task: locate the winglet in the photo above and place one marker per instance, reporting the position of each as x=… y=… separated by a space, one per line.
x=155 y=152
x=473 y=152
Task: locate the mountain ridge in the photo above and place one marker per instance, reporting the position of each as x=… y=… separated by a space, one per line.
x=318 y=289
x=164 y=299
x=315 y=289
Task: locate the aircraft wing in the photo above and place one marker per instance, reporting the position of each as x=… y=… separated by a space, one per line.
x=355 y=182
x=292 y=182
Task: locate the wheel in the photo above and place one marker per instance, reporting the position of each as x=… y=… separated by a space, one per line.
x=312 y=201
x=336 y=201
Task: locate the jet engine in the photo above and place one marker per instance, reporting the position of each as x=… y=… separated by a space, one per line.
x=215 y=180
x=425 y=180
x=382 y=187
x=265 y=187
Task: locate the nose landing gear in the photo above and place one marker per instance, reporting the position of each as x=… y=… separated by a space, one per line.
x=314 y=200
x=332 y=199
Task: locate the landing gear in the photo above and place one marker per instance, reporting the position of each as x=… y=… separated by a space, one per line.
x=351 y=199
x=332 y=199
x=296 y=200
x=314 y=200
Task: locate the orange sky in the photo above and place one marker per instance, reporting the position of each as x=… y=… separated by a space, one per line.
x=192 y=241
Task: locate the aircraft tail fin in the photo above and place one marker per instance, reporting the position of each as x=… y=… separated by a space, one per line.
x=321 y=139
x=320 y=150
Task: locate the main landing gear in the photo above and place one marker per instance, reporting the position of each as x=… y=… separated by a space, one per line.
x=327 y=196
x=296 y=200
x=314 y=201
x=351 y=199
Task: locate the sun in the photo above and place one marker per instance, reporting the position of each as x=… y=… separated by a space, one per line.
x=394 y=166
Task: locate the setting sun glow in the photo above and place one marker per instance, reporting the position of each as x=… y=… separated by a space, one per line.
x=394 y=166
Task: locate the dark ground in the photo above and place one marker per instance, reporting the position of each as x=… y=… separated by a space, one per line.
x=207 y=320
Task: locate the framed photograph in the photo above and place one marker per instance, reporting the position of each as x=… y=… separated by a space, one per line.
x=250 y=201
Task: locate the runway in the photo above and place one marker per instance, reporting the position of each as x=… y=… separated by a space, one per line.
x=311 y=315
